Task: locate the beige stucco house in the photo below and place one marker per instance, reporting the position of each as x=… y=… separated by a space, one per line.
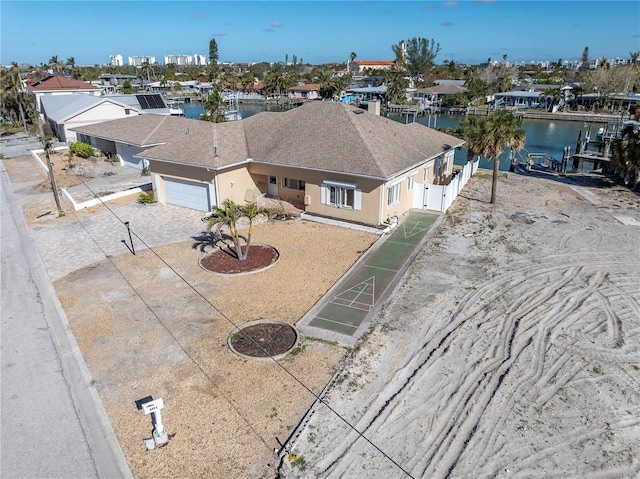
x=330 y=159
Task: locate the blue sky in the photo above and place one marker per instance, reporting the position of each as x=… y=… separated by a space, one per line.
x=469 y=31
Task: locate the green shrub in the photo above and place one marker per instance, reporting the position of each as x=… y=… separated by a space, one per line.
x=81 y=149
x=146 y=198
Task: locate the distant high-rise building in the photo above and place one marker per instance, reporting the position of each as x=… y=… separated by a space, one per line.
x=185 y=59
x=116 y=60
x=138 y=61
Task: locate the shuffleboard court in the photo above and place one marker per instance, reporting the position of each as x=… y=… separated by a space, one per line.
x=345 y=307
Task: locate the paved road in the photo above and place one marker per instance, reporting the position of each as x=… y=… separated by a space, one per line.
x=53 y=424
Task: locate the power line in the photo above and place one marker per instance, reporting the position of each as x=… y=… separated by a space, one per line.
x=230 y=321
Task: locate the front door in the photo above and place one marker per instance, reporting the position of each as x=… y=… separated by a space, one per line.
x=272 y=188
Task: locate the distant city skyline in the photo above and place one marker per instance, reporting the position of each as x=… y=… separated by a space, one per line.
x=316 y=32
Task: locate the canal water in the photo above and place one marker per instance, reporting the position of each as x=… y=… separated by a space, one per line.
x=550 y=137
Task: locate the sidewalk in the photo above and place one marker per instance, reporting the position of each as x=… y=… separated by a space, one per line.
x=53 y=422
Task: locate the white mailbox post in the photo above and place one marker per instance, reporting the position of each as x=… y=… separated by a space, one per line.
x=160 y=435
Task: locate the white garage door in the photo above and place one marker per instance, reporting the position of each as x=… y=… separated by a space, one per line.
x=187 y=194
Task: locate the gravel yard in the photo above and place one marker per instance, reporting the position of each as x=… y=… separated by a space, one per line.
x=157 y=327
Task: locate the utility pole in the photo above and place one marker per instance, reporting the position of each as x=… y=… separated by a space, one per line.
x=47 y=147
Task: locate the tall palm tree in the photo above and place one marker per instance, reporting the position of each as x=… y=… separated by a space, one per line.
x=55 y=64
x=145 y=71
x=501 y=129
x=13 y=98
x=71 y=65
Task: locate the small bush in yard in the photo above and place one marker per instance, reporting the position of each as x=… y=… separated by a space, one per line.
x=146 y=198
x=81 y=149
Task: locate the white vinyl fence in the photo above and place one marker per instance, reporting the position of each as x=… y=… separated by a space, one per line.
x=440 y=197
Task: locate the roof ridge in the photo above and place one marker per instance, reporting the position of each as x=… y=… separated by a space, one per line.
x=362 y=137
x=146 y=138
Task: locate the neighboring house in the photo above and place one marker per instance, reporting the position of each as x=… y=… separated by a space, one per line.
x=309 y=91
x=112 y=82
x=438 y=92
x=358 y=67
x=330 y=159
x=59 y=85
x=366 y=94
x=516 y=99
x=64 y=112
x=187 y=86
x=619 y=101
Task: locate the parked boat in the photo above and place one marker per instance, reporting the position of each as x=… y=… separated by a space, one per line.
x=174 y=108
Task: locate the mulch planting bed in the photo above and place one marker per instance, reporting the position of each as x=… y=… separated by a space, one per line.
x=225 y=261
x=264 y=339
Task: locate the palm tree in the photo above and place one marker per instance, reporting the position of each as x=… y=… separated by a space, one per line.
x=501 y=129
x=396 y=88
x=625 y=155
x=247 y=79
x=214 y=107
x=228 y=214
x=13 y=98
x=275 y=82
x=145 y=70
x=55 y=64
x=330 y=86
x=552 y=97
x=71 y=65
x=251 y=212
x=471 y=130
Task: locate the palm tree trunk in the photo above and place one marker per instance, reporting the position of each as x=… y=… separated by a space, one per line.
x=22 y=117
x=494 y=180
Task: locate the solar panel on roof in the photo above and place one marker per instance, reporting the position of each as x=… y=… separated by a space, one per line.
x=149 y=102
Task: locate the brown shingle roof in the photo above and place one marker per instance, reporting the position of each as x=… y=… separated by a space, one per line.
x=61 y=83
x=324 y=136
x=342 y=138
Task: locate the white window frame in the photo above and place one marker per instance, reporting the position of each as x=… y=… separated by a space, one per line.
x=411 y=181
x=340 y=194
x=393 y=193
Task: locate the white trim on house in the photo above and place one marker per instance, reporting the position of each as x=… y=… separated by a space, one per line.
x=341 y=194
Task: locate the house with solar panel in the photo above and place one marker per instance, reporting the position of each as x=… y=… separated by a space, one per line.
x=328 y=158
x=65 y=112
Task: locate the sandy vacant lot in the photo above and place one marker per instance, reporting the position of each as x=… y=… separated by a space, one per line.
x=512 y=349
